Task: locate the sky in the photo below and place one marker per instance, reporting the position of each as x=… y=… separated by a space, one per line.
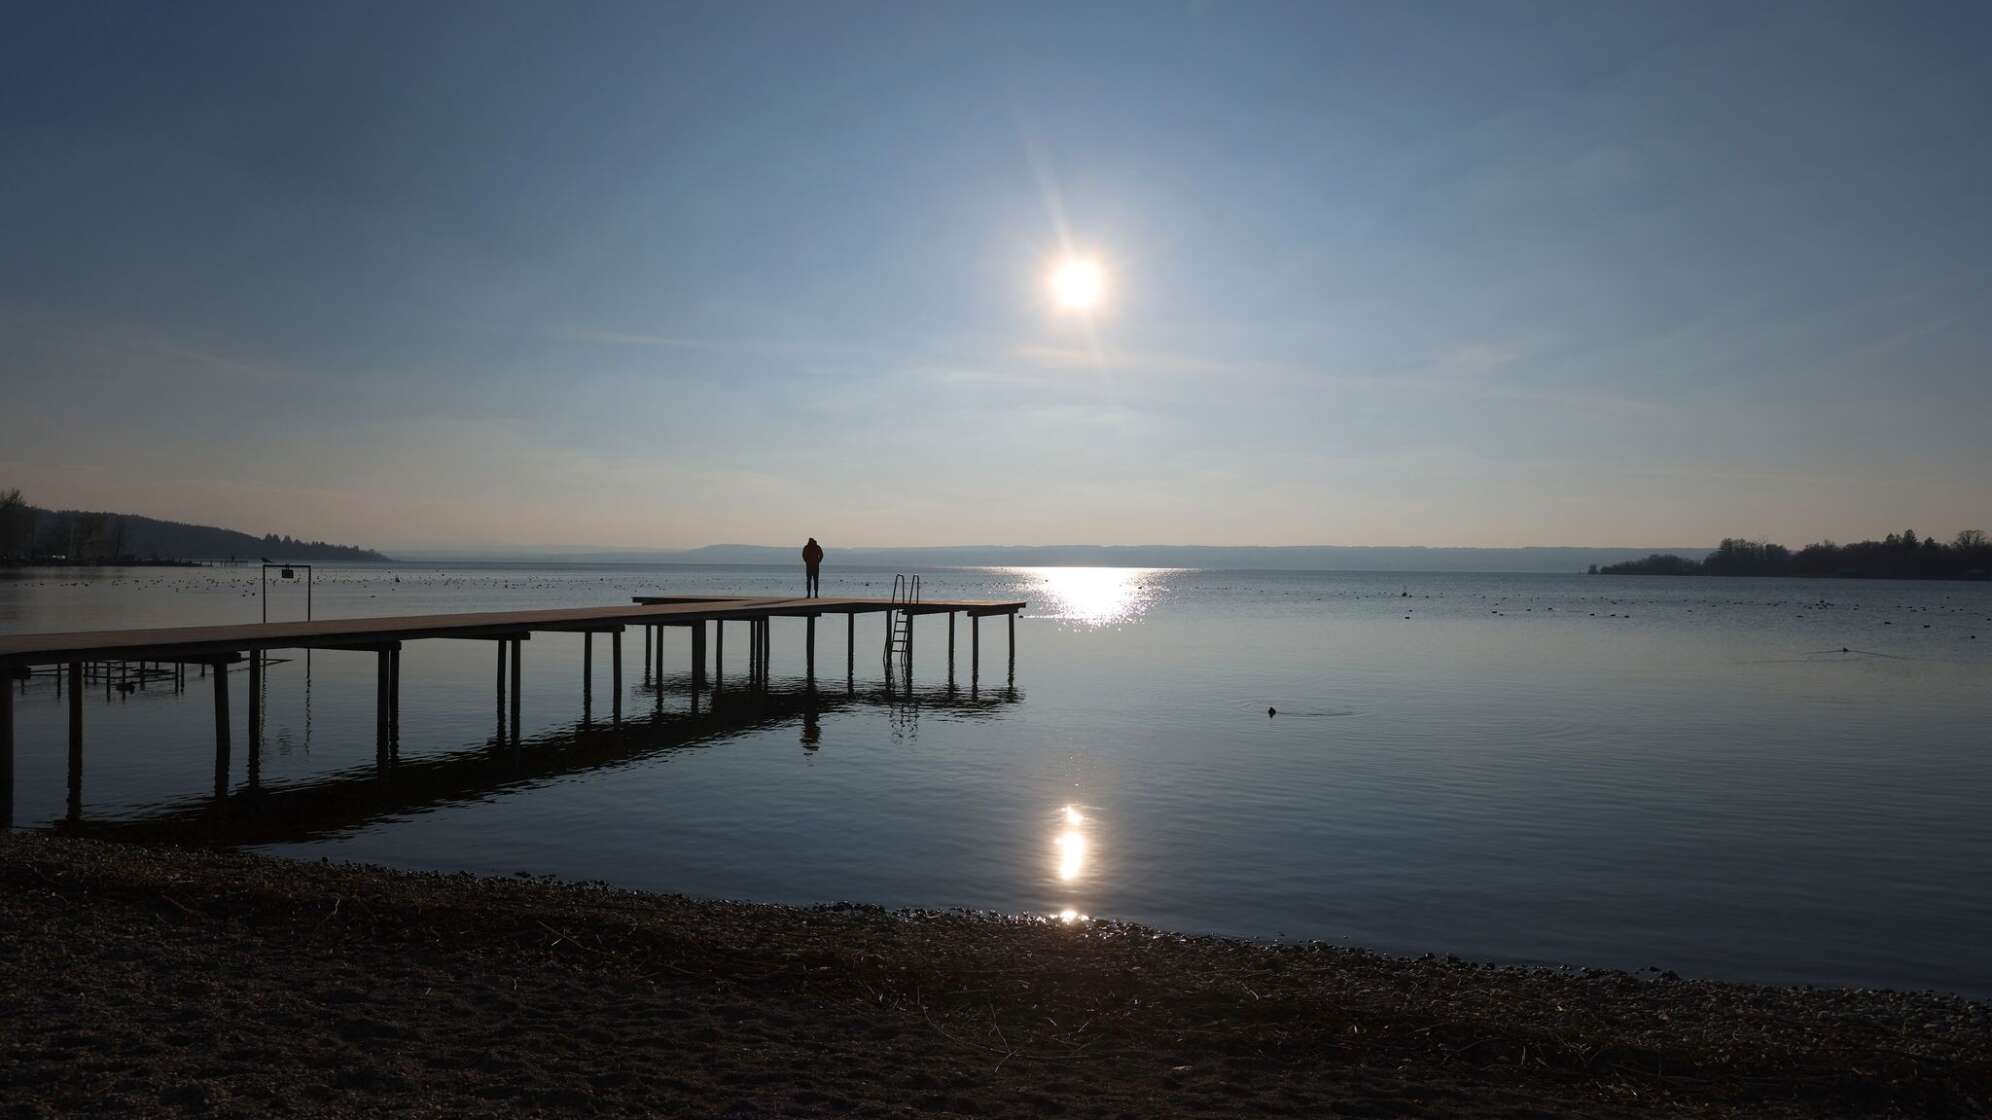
x=661 y=276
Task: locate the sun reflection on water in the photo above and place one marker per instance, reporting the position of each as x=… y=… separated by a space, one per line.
x=1092 y=596
x=1072 y=850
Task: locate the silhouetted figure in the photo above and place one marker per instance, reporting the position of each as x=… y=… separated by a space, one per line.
x=812 y=564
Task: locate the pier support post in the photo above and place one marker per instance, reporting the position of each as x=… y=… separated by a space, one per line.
x=75 y=740
x=394 y=699
x=974 y=648
x=809 y=650
x=502 y=643
x=587 y=676
x=383 y=669
x=753 y=651
x=646 y=651
x=220 y=730
x=615 y=676
x=718 y=652
x=255 y=758
x=255 y=700
x=6 y=745
x=698 y=655
x=518 y=650
x=951 y=615
x=1012 y=616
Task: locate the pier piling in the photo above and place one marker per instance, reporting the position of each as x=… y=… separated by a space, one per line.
x=255 y=699
x=383 y=670
x=698 y=656
x=393 y=700
x=6 y=745
x=221 y=728
x=517 y=651
x=75 y=740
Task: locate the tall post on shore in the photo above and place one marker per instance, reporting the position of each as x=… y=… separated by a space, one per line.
x=220 y=729
x=75 y=739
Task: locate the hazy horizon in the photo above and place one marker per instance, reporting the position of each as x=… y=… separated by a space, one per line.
x=513 y=275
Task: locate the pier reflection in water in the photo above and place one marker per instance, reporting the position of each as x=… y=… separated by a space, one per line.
x=355 y=798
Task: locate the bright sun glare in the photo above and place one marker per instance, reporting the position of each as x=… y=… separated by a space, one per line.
x=1077 y=283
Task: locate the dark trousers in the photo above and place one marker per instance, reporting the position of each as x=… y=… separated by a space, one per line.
x=812 y=582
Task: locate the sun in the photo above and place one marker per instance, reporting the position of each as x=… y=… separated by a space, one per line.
x=1078 y=283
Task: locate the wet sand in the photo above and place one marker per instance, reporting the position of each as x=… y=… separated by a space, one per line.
x=146 y=981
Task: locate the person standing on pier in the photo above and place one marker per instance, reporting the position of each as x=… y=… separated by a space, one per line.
x=812 y=563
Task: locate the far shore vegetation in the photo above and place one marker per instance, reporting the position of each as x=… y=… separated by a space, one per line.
x=1896 y=556
x=76 y=537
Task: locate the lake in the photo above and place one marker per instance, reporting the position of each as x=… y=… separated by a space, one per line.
x=1785 y=781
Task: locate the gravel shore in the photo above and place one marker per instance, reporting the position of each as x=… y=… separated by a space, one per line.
x=144 y=981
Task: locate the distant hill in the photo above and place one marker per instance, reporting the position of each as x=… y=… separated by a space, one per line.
x=1897 y=556
x=1323 y=558
x=87 y=536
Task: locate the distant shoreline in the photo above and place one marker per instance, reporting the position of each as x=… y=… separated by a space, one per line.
x=124 y=563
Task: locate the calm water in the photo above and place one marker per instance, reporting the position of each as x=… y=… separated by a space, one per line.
x=1603 y=771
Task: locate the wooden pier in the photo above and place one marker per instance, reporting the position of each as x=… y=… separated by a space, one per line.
x=218 y=647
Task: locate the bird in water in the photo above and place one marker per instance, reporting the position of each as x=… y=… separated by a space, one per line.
x=1271 y=712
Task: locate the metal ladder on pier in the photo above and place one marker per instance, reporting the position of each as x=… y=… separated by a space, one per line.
x=899 y=623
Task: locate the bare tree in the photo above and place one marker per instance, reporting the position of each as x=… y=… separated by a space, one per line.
x=17 y=526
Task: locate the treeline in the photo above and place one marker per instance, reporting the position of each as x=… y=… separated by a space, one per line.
x=29 y=535
x=1896 y=556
